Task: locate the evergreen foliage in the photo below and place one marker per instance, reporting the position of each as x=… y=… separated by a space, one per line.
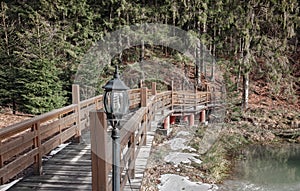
x=42 y=41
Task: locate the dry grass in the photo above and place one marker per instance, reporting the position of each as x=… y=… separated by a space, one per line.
x=7 y=118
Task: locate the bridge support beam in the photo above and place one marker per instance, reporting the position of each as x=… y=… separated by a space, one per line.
x=192 y=120
x=203 y=116
x=153 y=88
x=186 y=118
x=167 y=123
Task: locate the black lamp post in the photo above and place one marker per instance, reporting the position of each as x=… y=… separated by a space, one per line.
x=116 y=104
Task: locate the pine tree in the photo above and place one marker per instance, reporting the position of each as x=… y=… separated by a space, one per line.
x=41 y=89
x=9 y=86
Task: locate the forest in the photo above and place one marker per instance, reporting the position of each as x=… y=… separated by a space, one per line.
x=43 y=41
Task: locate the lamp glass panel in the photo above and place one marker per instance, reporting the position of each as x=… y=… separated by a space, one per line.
x=107 y=102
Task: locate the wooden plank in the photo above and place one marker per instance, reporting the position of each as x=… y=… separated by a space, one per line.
x=91 y=101
x=58 y=179
x=131 y=125
x=51 y=186
x=52 y=128
x=17 y=150
x=50 y=144
x=21 y=126
x=15 y=143
x=50 y=133
x=18 y=165
x=67 y=134
x=73 y=173
x=69 y=168
x=68 y=162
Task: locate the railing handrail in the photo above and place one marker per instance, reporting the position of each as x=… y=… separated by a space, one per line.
x=53 y=128
x=29 y=122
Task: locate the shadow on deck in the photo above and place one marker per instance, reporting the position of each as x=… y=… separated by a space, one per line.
x=70 y=169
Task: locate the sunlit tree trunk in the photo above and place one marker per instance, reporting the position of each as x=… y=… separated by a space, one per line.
x=246 y=90
x=247 y=57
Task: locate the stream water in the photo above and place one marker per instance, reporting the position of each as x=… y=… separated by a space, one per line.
x=266 y=168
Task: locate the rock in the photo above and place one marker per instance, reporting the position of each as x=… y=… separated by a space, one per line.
x=178 y=157
x=175 y=182
x=179 y=144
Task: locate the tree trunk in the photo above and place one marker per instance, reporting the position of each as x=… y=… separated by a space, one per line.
x=213 y=53
x=14 y=106
x=237 y=82
x=245 y=90
x=142 y=53
x=198 y=66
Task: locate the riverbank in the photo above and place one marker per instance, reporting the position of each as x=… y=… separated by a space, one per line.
x=256 y=126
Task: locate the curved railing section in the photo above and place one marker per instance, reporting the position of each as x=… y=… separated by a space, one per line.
x=24 y=144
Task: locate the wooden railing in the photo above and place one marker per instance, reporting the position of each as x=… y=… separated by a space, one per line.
x=133 y=134
x=190 y=99
x=24 y=144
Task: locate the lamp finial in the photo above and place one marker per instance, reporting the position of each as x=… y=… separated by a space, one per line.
x=116 y=74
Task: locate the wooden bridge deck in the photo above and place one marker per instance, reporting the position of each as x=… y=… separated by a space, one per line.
x=24 y=144
x=70 y=169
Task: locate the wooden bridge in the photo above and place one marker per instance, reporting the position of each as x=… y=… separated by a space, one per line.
x=85 y=164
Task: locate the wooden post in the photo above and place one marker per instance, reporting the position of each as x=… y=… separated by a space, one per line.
x=144 y=97
x=76 y=100
x=185 y=118
x=153 y=88
x=202 y=116
x=192 y=119
x=145 y=129
x=172 y=95
x=60 y=129
x=167 y=122
x=132 y=154
x=100 y=151
x=206 y=98
x=196 y=101
x=37 y=165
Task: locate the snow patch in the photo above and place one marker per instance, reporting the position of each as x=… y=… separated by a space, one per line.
x=183 y=133
x=175 y=182
x=178 y=144
x=178 y=157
